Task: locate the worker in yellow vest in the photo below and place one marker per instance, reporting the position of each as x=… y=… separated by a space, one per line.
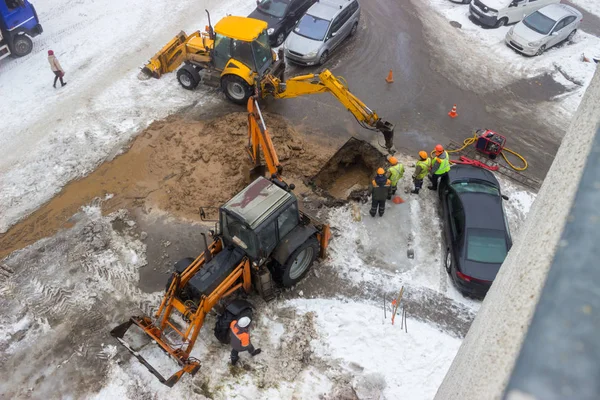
x=440 y=165
x=421 y=170
x=394 y=174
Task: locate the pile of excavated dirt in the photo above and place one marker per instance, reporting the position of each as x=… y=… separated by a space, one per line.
x=176 y=166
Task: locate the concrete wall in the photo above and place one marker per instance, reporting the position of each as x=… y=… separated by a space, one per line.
x=485 y=360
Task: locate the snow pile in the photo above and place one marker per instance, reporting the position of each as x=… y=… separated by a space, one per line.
x=505 y=66
x=58 y=301
x=51 y=136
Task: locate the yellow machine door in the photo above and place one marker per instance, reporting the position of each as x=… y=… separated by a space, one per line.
x=222 y=51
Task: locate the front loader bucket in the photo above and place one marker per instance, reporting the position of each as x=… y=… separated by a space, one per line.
x=188 y=365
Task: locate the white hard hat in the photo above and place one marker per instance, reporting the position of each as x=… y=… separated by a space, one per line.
x=244 y=322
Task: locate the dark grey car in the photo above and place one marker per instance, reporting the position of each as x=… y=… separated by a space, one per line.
x=322 y=29
x=475 y=228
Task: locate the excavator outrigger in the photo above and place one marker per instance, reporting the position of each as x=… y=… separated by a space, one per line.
x=263 y=236
x=236 y=56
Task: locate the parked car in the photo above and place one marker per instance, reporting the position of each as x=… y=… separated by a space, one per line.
x=543 y=29
x=476 y=232
x=281 y=16
x=496 y=13
x=322 y=29
x=461 y=1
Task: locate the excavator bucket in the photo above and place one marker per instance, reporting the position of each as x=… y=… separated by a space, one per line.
x=167 y=59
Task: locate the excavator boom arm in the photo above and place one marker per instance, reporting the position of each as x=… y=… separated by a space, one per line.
x=326 y=82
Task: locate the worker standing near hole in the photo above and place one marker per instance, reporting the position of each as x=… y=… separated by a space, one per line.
x=394 y=174
x=380 y=190
x=421 y=170
x=240 y=339
x=440 y=166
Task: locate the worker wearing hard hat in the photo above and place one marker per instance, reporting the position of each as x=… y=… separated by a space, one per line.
x=421 y=170
x=394 y=174
x=440 y=165
x=380 y=189
x=240 y=339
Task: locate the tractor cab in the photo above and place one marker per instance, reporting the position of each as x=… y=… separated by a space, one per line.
x=242 y=40
x=258 y=218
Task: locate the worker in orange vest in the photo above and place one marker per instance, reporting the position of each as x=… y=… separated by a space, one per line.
x=240 y=339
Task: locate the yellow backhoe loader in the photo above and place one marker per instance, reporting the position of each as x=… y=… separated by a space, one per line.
x=262 y=236
x=236 y=56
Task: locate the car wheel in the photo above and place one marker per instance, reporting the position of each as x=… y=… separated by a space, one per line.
x=298 y=263
x=22 y=45
x=188 y=77
x=448 y=262
x=236 y=89
x=571 y=35
x=324 y=57
x=501 y=22
x=541 y=50
x=280 y=39
x=354 y=29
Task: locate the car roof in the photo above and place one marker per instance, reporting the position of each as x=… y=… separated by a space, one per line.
x=327 y=9
x=240 y=28
x=558 y=11
x=483 y=211
x=255 y=203
x=460 y=172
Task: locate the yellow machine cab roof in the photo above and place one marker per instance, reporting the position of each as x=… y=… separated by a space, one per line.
x=240 y=28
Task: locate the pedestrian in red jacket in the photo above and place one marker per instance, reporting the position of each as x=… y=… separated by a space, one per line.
x=56 y=68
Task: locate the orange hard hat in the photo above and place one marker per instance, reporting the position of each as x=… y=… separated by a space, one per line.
x=439 y=148
x=393 y=160
x=423 y=155
x=380 y=171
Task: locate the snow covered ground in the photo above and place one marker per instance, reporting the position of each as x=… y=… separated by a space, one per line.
x=505 y=66
x=592 y=6
x=327 y=338
x=51 y=136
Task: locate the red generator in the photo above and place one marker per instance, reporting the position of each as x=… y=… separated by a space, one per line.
x=489 y=143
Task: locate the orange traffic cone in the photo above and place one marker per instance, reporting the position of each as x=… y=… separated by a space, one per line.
x=390 y=77
x=452 y=112
x=398 y=200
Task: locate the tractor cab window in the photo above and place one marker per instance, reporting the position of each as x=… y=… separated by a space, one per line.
x=222 y=51
x=12 y=4
x=287 y=220
x=262 y=52
x=268 y=238
x=242 y=51
x=239 y=234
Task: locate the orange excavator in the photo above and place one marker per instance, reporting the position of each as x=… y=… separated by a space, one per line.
x=262 y=240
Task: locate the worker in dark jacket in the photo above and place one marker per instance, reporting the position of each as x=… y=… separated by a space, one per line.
x=240 y=339
x=380 y=189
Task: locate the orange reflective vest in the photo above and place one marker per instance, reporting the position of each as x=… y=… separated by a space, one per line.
x=240 y=337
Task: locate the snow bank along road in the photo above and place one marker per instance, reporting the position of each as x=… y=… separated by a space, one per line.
x=50 y=136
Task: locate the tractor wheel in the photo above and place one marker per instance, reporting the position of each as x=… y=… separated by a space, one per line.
x=236 y=89
x=22 y=45
x=298 y=263
x=188 y=77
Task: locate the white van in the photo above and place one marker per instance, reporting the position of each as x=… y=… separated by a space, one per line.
x=496 y=13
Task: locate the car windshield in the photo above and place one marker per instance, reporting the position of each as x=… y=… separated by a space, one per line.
x=486 y=245
x=274 y=8
x=475 y=187
x=238 y=233
x=539 y=23
x=262 y=52
x=312 y=27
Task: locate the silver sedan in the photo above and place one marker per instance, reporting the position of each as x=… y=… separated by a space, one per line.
x=543 y=29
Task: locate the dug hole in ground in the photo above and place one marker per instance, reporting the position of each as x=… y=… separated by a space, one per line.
x=65 y=285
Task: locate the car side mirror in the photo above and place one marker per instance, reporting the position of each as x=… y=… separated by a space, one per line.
x=555 y=33
x=333 y=34
x=292 y=14
x=505 y=197
x=513 y=4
